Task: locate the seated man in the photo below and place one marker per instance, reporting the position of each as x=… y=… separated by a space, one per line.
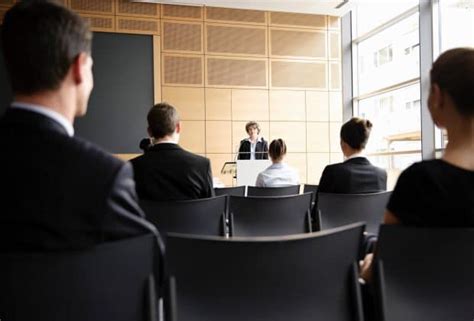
x=166 y=171
x=58 y=192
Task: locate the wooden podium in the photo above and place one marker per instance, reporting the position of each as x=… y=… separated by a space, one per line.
x=248 y=170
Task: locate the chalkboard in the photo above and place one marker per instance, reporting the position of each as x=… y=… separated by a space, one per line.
x=122 y=94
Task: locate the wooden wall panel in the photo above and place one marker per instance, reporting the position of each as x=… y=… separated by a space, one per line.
x=298 y=162
x=250 y=105
x=287 y=105
x=127 y=8
x=334 y=45
x=137 y=25
x=236 y=40
x=298 y=43
x=317 y=106
x=335 y=106
x=182 y=36
x=217 y=161
x=235 y=15
x=93 y=6
x=192 y=137
x=293 y=133
x=233 y=72
x=317 y=137
x=334 y=23
x=298 y=74
x=181 y=12
x=316 y=164
x=238 y=133
x=188 y=101
x=336 y=158
x=218 y=104
x=297 y=20
x=157 y=68
x=218 y=137
x=182 y=70
x=335 y=137
x=335 y=76
x=100 y=22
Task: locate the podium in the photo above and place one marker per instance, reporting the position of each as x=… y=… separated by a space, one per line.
x=248 y=170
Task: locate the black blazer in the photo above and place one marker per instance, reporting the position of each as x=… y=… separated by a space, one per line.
x=60 y=192
x=261 y=149
x=354 y=176
x=168 y=172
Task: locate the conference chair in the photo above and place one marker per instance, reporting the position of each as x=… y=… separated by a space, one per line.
x=307 y=188
x=424 y=273
x=234 y=191
x=341 y=209
x=303 y=277
x=273 y=191
x=110 y=281
x=266 y=216
x=204 y=216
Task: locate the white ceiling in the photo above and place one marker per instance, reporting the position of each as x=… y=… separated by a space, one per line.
x=326 y=7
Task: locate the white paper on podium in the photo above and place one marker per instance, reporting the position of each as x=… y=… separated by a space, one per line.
x=248 y=170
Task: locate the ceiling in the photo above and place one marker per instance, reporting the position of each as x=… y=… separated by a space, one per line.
x=326 y=7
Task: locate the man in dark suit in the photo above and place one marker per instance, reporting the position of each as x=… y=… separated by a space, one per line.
x=356 y=174
x=166 y=171
x=58 y=192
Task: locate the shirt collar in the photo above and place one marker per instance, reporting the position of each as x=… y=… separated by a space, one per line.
x=48 y=112
x=361 y=154
x=259 y=139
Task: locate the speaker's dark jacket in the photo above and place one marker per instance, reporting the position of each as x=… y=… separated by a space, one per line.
x=59 y=192
x=355 y=175
x=261 y=149
x=168 y=172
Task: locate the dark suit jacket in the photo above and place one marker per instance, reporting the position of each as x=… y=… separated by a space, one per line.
x=354 y=176
x=60 y=192
x=261 y=149
x=168 y=172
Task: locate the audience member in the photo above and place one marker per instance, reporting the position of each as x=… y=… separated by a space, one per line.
x=145 y=143
x=278 y=174
x=254 y=147
x=166 y=171
x=356 y=174
x=58 y=191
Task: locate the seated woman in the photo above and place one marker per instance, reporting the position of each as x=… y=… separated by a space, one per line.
x=278 y=174
x=254 y=147
x=356 y=174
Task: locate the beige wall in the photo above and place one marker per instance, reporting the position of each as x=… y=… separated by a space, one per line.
x=223 y=67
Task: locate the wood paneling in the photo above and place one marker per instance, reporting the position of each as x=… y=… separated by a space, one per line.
x=335 y=137
x=188 y=101
x=192 y=136
x=127 y=8
x=287 y=105
x=298 y=162
x=316 y=164
x=236 y=72
x=218 y=137
x=335 y=76
x=181 y=12
x=236 y=40
x=179 y=36
x=335 y=106
x=334 y=23
x=218 y=104
x=293 y=133
x=317 y=137
x=297 y=20
x=182 y=70
x=235 y=15
x=298 y=43
x=217 y=161
x=336 y=158
x=137 y=25
x=157 y=68
x=317 y=106
x=100 y=22
x=126 y=157
x=298 y=74
x=93 y=6
x=250 y=105
x=334 y=45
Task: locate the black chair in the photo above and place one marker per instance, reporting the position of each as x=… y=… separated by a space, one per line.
x=266 y=216
x=111 y=281
x=342 y=209
x=273 y=191
x=204 y=216
x=302 y=277
x=307 y=188
x=425 y=273
x=234 y=191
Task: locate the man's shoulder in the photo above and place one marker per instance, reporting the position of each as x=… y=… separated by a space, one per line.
x=92 y=155
x=194 y=157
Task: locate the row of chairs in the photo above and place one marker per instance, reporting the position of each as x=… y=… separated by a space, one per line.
x=420 y=274
x=265 y=191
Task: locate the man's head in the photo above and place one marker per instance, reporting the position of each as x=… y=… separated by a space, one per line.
x=354 y=135
x=163 y=121
x=46 y=45
x=253 y=129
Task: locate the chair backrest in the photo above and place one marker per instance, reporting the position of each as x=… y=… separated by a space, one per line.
x=425 y=273
x=234 y=191
x=304 y=277
x=310 y=188
x=273 y=191
x=342 y=209
x=111 y=281
x=199 y=216
x=266 y=216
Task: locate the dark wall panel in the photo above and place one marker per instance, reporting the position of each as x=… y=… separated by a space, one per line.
x=122 y=94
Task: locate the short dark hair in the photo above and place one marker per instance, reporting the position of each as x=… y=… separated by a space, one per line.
x=356 y=132
x=41 y=40
x=277 y=149
x=453 y=72
x=252 y=124
x=162 y=120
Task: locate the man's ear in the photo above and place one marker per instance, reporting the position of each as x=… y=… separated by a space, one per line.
x=178 y=127
x=149 y=132
x=78 y=68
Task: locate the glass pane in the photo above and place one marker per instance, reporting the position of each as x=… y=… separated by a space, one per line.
x=371 y=14
x=389 y=57
x=395 y=141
